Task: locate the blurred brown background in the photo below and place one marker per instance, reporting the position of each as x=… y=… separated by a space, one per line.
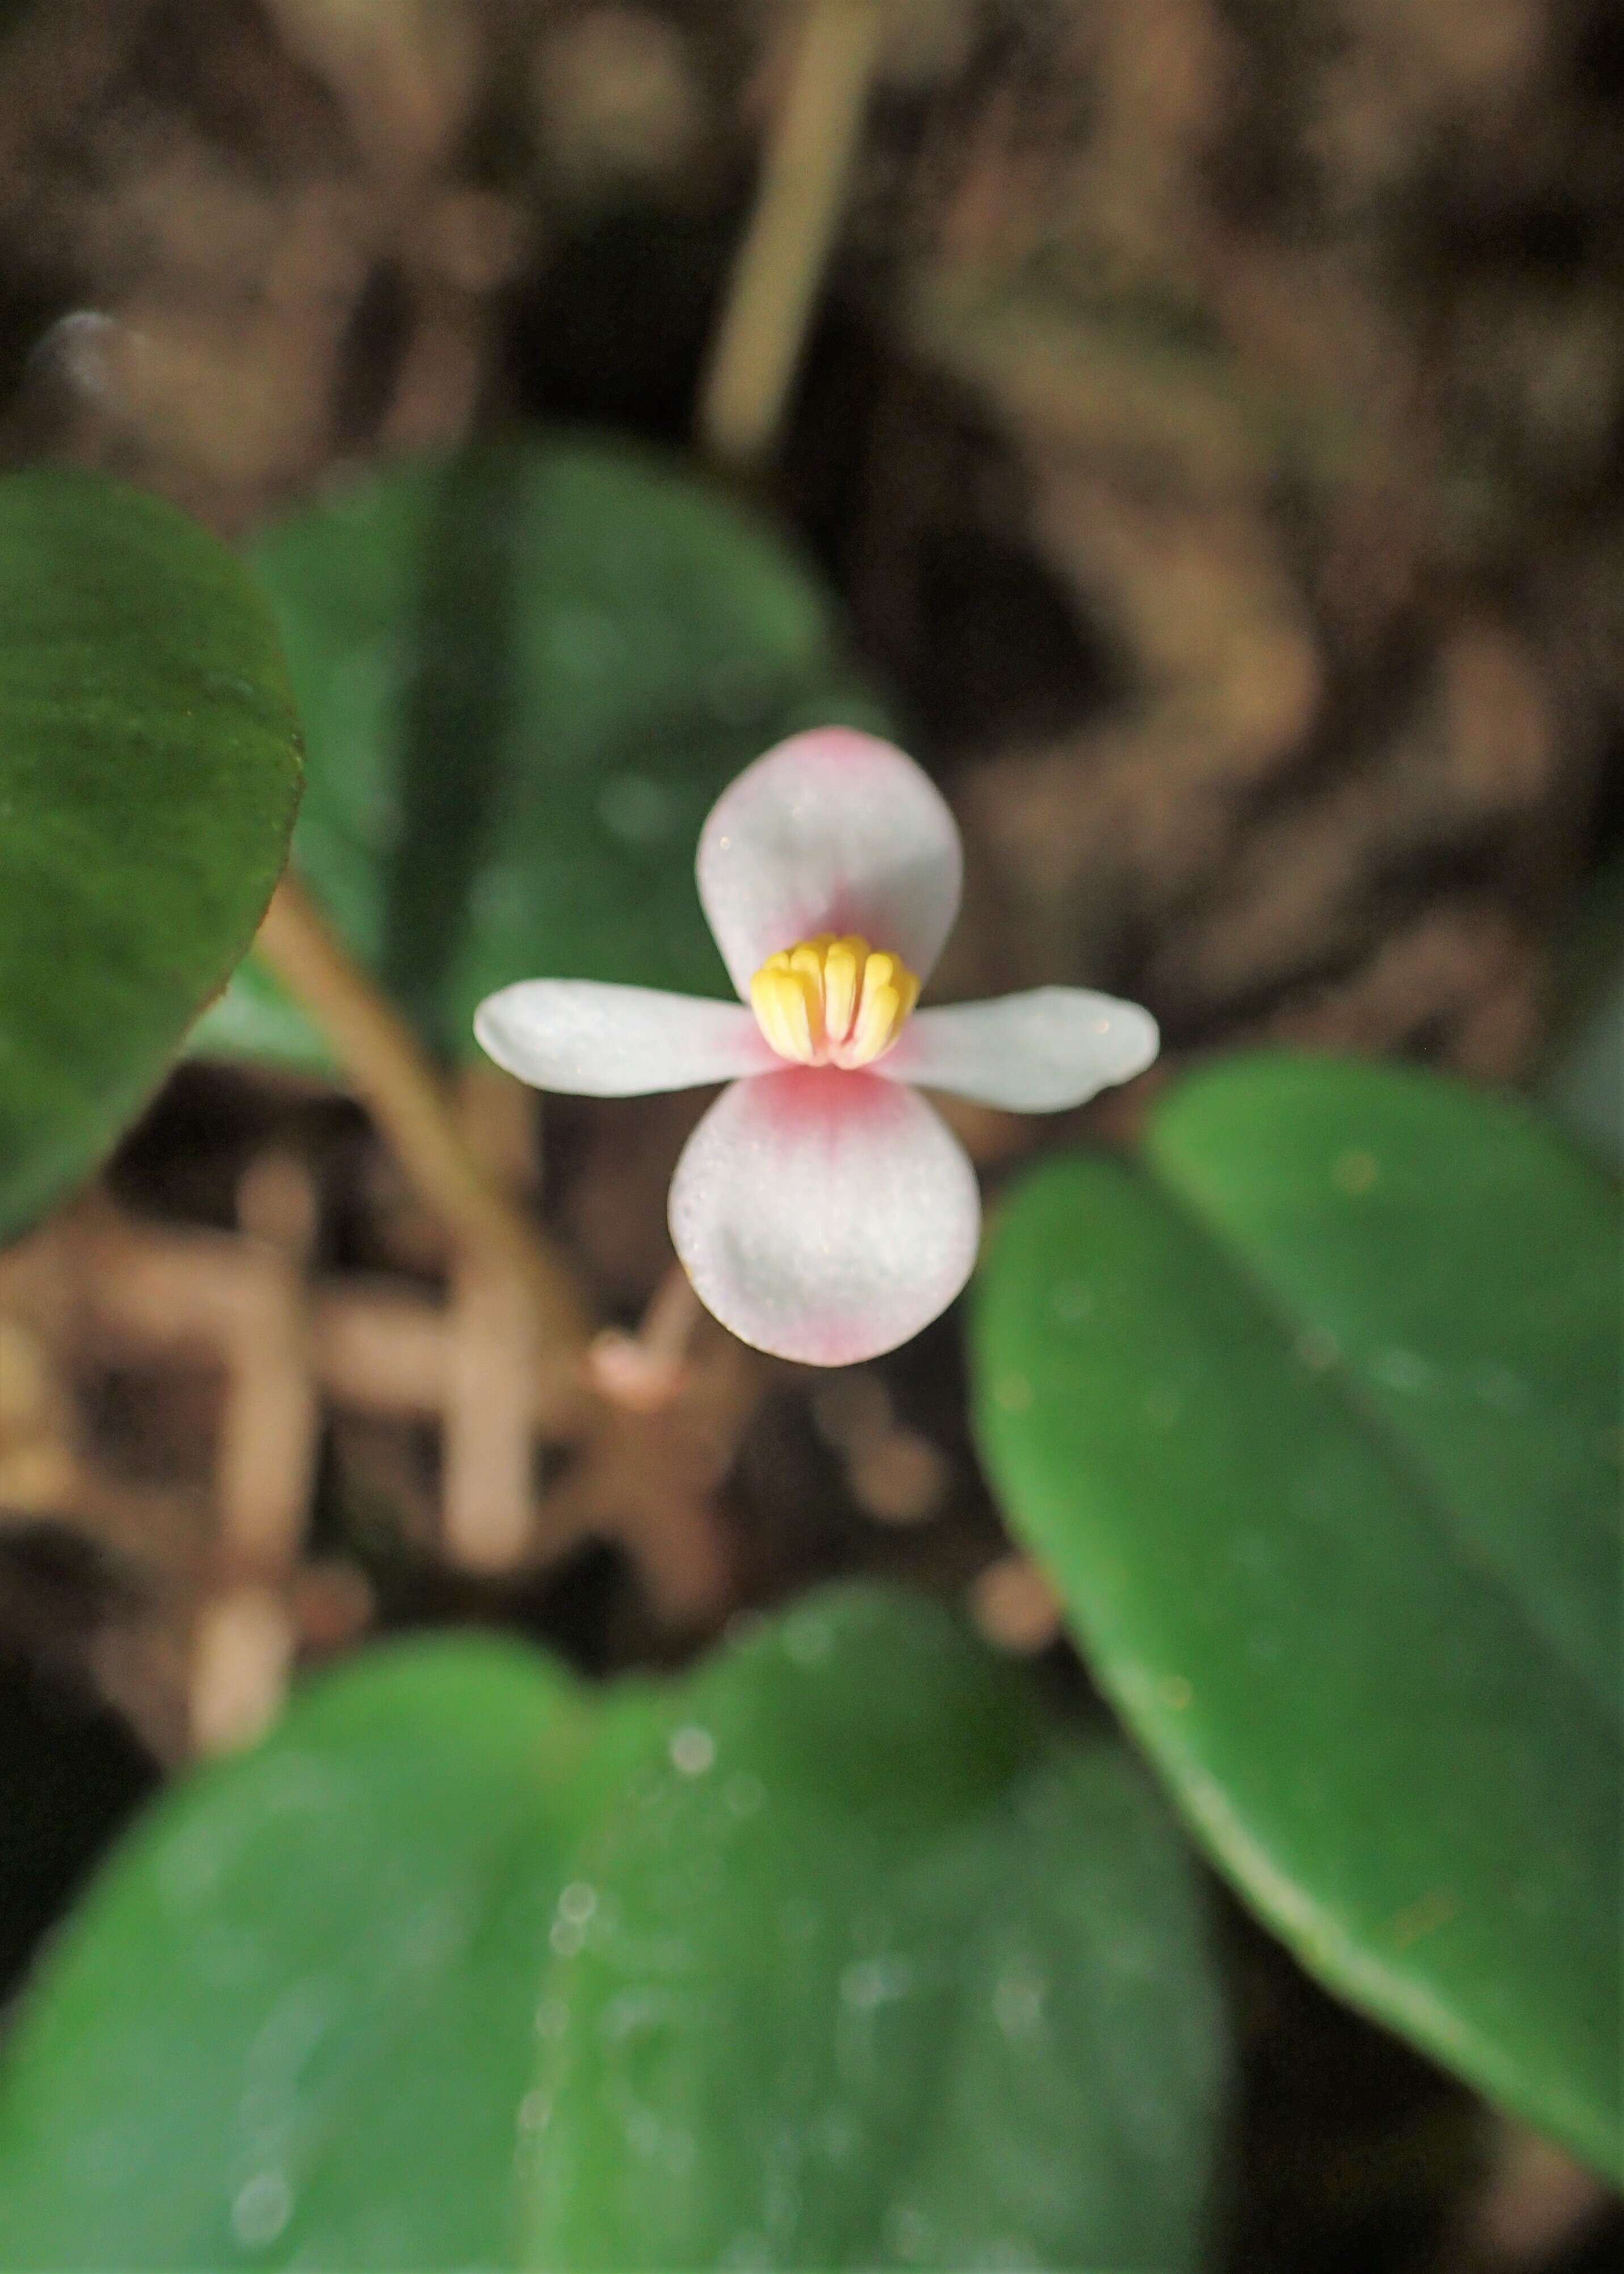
x=1214 y=424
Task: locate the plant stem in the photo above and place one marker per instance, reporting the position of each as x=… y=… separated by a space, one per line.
x=781 y=260
x=394 y=1078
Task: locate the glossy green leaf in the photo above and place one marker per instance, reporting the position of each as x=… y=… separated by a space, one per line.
x=148 y=774
x=1313 y=1419
x=526 y=673
x=835 y=1951
x=876 y=1971
x=295 y=2015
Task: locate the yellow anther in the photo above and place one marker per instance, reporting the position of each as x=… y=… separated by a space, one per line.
x=832 y=1001
x=788 y=1006
x=843 y=970
x=806 y=963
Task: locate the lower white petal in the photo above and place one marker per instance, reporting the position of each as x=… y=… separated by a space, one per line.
x=594 y=1040
x=1034 y=1053
x=824 y=1216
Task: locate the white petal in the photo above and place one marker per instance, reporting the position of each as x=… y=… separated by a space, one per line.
x=833 y=831
x=1034 y=1053
x=594 y=1040
x=824 y=1216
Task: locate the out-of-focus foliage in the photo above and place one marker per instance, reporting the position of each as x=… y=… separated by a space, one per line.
x=1313 y=1420
x=300 y=2008
x=525 y=673
x=149 y=768
x=835 y=1954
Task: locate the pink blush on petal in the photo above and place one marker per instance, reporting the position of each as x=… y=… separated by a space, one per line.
x=824 y=1216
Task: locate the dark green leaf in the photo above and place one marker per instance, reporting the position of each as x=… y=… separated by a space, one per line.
x=295 y=2018
x=526 y=673
x=1314 y=1421
x=148 y=774
x=835 y=1951
x=876 y=1971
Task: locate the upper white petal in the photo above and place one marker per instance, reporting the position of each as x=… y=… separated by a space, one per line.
x=824 y=1216
x=596 y=1040
x=832 y=831
x=1038 y=1052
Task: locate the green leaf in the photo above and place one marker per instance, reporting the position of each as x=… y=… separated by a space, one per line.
x=148 y=774
x=877 y=1970
x=526 y=674
x=1313 y=1420
x=295 y=2016
x=835 y=1952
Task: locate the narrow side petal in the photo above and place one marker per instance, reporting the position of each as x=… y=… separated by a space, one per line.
x=824 y=1216
x=1034 y=1053
x=596 y=1040
x=831 y=831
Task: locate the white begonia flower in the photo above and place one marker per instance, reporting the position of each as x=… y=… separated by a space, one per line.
x=822 y=1209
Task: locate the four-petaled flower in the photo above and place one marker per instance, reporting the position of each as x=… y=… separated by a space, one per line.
x=822 y=1209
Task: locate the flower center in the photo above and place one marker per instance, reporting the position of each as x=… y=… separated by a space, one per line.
x=832 y=1002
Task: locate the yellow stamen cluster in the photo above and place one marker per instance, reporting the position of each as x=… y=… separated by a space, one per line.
x=832 y=1001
